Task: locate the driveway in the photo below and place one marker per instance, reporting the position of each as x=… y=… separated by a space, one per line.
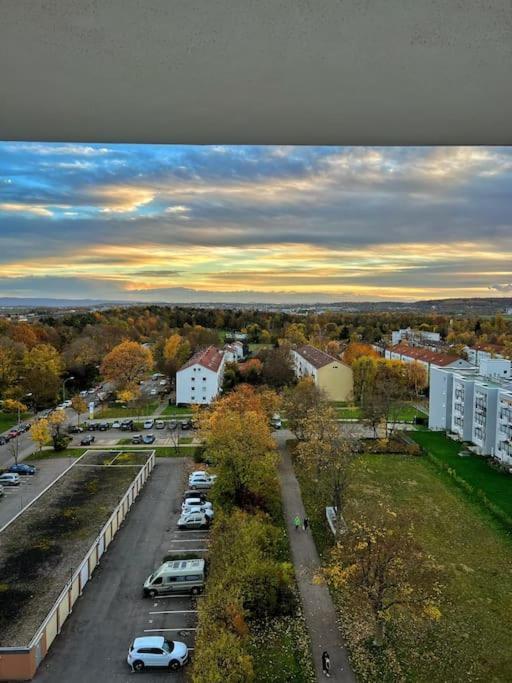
x=94 y=642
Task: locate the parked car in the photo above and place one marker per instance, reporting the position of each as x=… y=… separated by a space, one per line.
x=66 y=404
x=148 y=438
x=22 y=468
x=153 y=392
x=197 y=495
x=10 y=479
x=126 y=425
x=172 y=425
x=193 y=520
x=194 y=501
x=198 y=509
x=1 y=490
x=87 y=440
x=186 y=424
x=116 y=424
x=24 y=427
x=162 y=382
x=83 y=393
x=103 y=426
x=137 y=438
x=275 y=422
x=176 y=576
x=149 y=424
x=12 y=434
x=93 y=426
x=159 y=424
x=201 y=480
x=3 y=440
x=156 y=651
x=75 y=429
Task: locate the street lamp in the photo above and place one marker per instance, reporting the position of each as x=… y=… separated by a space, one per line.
x=68 y=379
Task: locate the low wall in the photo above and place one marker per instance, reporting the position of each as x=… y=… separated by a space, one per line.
x=20 y=664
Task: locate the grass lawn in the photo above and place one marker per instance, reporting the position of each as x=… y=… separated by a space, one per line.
x=177 y=410
x=407 y=413
x=186 y=439
x=254 y=348
x=8 y=420
x=47 y=455
x=476 y=471
x=471 y=642
x=126 y=411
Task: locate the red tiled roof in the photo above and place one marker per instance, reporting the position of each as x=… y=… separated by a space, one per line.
x=316 y=357
x=494 y=348
x=422 y=354
x=209 y=358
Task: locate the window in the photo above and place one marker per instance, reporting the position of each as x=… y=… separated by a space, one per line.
x=204 y=379
x=193 y=398
x=157 y=581
x=193 y=577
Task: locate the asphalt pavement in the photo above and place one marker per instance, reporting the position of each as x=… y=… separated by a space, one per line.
x=93 y=645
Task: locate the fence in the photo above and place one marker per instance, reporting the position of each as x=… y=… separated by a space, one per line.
x=20 y=663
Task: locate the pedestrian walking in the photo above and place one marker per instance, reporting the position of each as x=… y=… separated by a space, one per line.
x=296 y=521
x=306 y=523
x=326 y=663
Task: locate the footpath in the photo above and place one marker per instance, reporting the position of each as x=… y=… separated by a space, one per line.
x=317 y=604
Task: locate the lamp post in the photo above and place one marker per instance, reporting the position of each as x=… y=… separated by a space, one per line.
x=68 y=379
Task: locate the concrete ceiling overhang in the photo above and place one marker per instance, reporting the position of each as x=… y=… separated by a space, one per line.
x=256 y=71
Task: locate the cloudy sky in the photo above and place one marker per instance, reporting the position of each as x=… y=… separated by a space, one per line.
x=222 y=223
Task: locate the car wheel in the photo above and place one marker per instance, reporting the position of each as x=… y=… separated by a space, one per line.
x=174 y=665
x=195 y=591
x=151 y=593
x=138 y=665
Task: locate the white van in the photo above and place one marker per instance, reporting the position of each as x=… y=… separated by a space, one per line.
x=176 y=576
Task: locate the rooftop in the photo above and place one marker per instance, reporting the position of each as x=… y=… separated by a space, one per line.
x=425 y=355
x=210 y=358
x=316 y=357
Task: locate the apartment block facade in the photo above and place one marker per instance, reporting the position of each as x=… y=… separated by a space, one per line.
x=473 y=408
x=200 y=379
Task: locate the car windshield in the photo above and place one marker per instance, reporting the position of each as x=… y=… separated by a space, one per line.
x=168 y=645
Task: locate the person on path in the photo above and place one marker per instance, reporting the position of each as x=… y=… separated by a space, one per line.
x=306 y=523
x=326 y=663
x=296 y=521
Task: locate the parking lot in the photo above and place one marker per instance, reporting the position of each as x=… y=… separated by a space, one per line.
x=112 y=610
x=15 y=498
x=112 y=436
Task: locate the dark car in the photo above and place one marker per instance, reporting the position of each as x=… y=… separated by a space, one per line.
x=3 y=440
x=103 y=426
x=22 y=468
x=186 y=424
x=87 y=440
x=127 y=425
x=25 y=427
x=75 y=429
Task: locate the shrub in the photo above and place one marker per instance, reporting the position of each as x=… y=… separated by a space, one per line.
x=61 y=442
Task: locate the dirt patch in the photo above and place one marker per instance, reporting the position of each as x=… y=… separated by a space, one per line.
x=41 y=549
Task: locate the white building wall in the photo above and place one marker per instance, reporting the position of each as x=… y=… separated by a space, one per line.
x=462 y=406
x=303 y=367
x=440 y=403
x=485 y=401
x=198 y=384
x=503 y=445
x=499 y=368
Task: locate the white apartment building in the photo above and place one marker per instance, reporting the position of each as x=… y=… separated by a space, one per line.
x=504 y=426
x=200 y=379
x=473 y=408
x=479 y=352
x=415 y=336
x=425 y=357
x=234 y=352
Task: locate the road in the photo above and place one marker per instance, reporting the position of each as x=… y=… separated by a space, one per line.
x=94 y=642
x=17 y=497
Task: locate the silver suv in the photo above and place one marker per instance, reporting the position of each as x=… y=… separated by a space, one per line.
x=156 y=651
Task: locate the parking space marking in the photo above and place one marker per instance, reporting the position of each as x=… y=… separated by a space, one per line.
x=177 y=611
x=189 y=550
x=195 y=531
x=161 y=630
x=177 y=595
x=189 y=540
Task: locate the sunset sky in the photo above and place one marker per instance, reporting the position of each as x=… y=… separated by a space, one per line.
x=168 y=223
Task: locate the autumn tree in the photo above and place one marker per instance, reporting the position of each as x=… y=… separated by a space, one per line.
x=277 y=370
x=42 y=368
x=416 y=378
x=386 y=399
x=301 y=400
x=176 y=352
x=356 y=349
x=327 y=451
x=11 y=405
x=295 y=334
x=11 y=355
x=41 y=432
x=382 y=561
x=251 y=370
x=79 y=406
x=127 y=364
x=364 y=370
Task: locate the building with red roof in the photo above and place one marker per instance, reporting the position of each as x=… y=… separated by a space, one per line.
x=199 y=380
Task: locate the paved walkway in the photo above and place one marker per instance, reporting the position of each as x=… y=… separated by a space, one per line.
x=318 y=607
